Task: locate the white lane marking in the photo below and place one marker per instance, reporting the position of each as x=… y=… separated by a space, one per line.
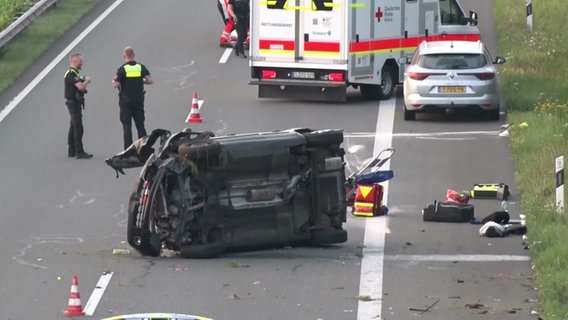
x=424 y=134
x=457 y=257
x=447 y=138
x=18 y=98
x=371 y=282
x=97 y=294
x=226 y=55
x=22 y=94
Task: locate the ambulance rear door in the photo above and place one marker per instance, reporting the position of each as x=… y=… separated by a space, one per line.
x=299 y=33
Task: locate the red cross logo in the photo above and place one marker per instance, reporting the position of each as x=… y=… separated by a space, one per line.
x=379 y=14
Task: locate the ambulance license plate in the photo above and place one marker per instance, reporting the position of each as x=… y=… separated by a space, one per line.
x=451 y=89
x=303 y=75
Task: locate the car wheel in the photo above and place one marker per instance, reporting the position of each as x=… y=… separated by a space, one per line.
x=323 y=138
x=320 y=237
x=409 y=115
x=493 y=115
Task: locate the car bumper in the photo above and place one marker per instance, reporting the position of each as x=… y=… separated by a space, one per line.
x=415 y=102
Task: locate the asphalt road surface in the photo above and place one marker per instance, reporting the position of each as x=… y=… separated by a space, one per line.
x=63 y=217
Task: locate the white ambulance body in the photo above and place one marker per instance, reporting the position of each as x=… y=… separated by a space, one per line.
x=315 y=49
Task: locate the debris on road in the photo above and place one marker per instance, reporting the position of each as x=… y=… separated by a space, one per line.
x=425 y=309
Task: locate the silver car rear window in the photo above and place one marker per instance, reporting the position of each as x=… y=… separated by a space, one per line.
x=452 y=61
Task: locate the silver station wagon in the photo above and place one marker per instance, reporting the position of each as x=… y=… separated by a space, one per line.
x=450 y=75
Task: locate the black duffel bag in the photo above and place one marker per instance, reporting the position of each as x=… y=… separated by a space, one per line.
x=448 y=212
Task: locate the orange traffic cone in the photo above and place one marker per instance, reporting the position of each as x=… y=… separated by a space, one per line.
x=74 y=307
x=194 y=115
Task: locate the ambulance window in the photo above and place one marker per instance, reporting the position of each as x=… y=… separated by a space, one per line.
x=276 y=4
x=322 y=5
x=451 y=13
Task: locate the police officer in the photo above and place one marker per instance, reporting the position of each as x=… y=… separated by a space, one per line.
x=75 y=89
x=130 y=79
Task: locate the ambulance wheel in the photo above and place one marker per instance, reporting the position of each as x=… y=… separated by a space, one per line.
x=388 y=82
x=323 y=138
x=409 y=115
x=370 y=91
x=321 y=237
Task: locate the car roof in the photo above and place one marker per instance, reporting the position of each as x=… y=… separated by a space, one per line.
x=451 y=46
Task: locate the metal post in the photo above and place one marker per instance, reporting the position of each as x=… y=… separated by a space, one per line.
x=529 y=15
x=560 y=184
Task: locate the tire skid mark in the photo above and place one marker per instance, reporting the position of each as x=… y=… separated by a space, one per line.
x=78 y=199
x=38 y=241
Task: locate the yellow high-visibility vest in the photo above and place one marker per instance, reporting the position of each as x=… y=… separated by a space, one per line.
x=133 y=71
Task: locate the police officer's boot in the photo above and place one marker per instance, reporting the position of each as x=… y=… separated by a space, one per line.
x=83 y=155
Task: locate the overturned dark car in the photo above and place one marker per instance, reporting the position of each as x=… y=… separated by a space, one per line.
x=201 y=194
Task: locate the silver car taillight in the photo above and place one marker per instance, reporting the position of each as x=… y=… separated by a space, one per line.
x=480 y=75
x=422 y=75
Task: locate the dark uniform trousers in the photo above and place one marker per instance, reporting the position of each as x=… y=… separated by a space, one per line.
x=242 y=29
x=75 y=134
x=131 y=108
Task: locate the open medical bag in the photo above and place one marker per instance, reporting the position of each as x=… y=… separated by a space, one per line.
x=364 y=192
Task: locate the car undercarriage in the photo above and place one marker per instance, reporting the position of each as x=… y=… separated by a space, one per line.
x=201 y=195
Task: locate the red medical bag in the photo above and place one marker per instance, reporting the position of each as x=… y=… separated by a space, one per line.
x=368 y=200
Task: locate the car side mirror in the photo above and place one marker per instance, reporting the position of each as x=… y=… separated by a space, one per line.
x=404 y=60
x=473 y=18
x=499 y=60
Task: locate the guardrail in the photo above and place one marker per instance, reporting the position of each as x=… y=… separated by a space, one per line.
x=24 y=20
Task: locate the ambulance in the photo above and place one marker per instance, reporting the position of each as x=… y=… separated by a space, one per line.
x=316 y=49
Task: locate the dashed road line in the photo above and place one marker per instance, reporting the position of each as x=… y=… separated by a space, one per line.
x=97 y=294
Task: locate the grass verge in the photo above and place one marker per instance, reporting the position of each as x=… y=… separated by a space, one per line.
x=18 y=55
x=9 y=9
x=534 y=81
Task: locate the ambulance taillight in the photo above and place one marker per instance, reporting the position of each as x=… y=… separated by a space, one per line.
x=268 y=74
x=336 y=76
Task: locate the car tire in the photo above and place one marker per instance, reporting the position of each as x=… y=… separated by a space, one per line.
x=323 y=138
x=319 y=237
x=493 y=115
x=409 y=115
